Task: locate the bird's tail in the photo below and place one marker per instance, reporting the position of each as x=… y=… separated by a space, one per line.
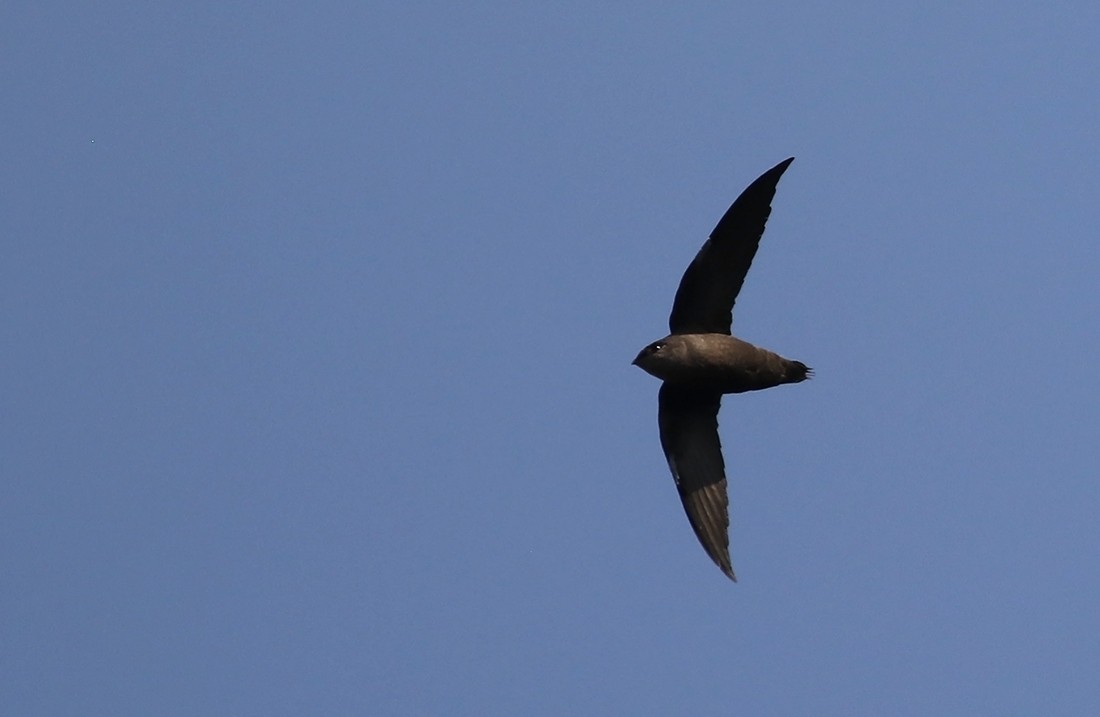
x=796 y=371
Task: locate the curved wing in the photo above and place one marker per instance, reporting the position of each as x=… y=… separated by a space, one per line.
x=688 y=420
x=704 y=300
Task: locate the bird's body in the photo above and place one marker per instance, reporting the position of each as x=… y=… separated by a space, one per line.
x=700 y=361
x=718 y=362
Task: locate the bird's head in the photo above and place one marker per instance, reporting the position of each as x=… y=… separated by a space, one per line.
x=658 y=358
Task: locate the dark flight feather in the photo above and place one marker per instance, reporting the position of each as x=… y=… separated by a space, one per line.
x=709 y=287
x=688 y=421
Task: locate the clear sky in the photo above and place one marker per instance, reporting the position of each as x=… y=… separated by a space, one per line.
x=317 y=321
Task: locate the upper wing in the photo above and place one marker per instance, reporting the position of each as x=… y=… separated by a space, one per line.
x=688 y=421
x=704 y=301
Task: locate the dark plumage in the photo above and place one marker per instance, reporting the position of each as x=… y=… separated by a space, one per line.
x=700 y=360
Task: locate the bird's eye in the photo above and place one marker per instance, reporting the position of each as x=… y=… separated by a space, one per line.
x=656 y=347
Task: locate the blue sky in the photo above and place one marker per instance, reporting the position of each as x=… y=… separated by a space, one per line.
x=317 y=322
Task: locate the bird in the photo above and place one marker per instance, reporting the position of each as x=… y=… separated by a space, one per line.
x=700 y=361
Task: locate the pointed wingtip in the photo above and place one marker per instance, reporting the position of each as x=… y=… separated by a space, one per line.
x=782 y=166
x=721 y=558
